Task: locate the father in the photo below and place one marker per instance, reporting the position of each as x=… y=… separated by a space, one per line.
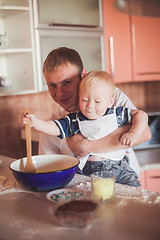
x=63 y=70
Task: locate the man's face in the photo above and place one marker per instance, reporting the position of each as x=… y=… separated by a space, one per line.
x=63 y=85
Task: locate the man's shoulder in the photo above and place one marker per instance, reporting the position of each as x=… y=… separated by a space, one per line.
x=119 y=94
x=121 y=99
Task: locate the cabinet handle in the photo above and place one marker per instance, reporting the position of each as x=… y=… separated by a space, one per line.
x=112 y=55
x=154 y=176
x=71 y=25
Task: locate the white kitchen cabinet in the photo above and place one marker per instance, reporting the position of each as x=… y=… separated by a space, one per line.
x=17 y=60
x=75 y=24
x=81 y=13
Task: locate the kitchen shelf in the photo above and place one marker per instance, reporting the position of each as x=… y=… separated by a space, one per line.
x=16 y=50
x=18 y=8
x=17 y=59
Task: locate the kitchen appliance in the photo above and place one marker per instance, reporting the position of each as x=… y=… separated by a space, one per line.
x=154 y=124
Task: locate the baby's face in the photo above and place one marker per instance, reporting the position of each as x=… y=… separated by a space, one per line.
x=94 y=99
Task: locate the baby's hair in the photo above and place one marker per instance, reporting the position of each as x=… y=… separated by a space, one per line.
x=97 y=76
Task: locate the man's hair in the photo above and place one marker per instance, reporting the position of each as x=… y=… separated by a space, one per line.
x=97 y=76
x=60 y=56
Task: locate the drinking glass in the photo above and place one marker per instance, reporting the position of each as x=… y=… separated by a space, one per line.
x=103 y=184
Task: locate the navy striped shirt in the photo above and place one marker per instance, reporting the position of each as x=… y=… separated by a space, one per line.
x=69 y=126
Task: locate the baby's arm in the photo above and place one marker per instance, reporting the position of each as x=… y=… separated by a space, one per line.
x=139 y=123
x=47 y=127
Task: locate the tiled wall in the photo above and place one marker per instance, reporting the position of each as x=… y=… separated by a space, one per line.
x=11 y=112
x=143 y=95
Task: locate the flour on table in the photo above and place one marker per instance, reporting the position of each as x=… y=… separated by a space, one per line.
x=124 y=192
x=6 y=184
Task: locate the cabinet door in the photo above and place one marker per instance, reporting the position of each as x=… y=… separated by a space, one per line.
x=153 y=180
x=146 y=48
x=117 y=42
x=70 y=12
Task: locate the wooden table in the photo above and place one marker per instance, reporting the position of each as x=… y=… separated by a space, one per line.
x=26 y=215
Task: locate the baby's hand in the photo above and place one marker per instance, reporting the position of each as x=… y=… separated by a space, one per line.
x=33 y=119
x=128 y=138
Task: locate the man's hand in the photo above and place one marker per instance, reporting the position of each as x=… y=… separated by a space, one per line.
x=78 y=144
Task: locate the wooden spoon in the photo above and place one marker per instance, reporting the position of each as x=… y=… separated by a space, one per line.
x=29 y=164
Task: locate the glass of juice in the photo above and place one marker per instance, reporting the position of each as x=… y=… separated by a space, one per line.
x=103 y=184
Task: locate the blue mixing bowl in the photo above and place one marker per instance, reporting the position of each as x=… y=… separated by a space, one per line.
x=52 y=172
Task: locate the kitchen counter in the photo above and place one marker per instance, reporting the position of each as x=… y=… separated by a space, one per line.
x=134 y=213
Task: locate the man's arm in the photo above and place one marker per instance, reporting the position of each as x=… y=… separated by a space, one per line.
x=80 y=146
